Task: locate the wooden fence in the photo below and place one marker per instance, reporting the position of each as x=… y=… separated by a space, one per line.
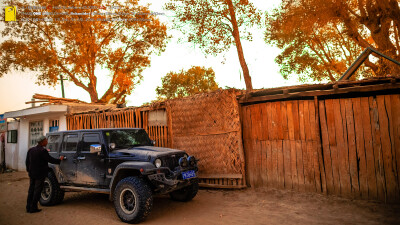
x=281 y=145
x=346 y=146
x=361 y=146
x=130 y=117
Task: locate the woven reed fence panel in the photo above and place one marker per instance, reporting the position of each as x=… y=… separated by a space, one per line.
x=348 y=147
x=208 y=126
x=281 y=145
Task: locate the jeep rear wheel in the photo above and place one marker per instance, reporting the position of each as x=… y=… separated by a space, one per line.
x=187 y=193
x=133 y=200
x=51 y=193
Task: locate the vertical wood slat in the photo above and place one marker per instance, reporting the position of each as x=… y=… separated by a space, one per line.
x=287 y=145
x=287 y=164
x=391 y=131
x=369 y=149
x=251 y=162
x=395 y=122
x=352 y=150
x=341 y=134
x=318 y=142
x=274 y=154
x=299 y=151
x=314 y=150
x=305 y=149
x=256 y=146
x=361 y=148
x=376 y=140
x=392 y=189
x=330 y=122
x=293 y=151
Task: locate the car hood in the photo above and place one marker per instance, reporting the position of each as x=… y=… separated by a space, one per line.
x=146 y=151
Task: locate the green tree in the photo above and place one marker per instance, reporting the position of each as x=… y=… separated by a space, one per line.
x=321 y=38
x=185 y=83
x=214 y=25
x=76 y=45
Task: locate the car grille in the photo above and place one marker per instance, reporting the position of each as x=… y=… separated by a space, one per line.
x=171 y=162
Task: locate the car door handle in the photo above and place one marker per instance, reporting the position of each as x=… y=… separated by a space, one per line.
x=81 y=158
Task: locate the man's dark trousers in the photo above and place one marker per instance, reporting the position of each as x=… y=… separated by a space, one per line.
x=35 y=189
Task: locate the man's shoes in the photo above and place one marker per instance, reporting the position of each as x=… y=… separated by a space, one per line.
x=35 y=210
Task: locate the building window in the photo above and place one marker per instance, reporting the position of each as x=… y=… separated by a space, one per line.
x=12 y=136
x=54 y=124
x=35 y=132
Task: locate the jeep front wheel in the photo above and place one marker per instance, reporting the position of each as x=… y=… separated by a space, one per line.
x=133 y=200
x=51 y=193
x=187 y=193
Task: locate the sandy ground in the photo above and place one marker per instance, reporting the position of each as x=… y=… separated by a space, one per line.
x=250 y=206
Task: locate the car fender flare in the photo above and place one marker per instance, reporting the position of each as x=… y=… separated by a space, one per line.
x=138 y=167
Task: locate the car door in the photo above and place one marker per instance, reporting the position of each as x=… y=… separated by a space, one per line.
x=69 y=150
x=91 y=168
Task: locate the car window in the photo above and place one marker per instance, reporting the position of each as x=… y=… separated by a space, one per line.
x=70 y=142
x=127 y=138
x=53 y=143
x=89 y=139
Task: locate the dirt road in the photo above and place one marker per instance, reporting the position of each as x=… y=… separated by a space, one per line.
x=260 y=206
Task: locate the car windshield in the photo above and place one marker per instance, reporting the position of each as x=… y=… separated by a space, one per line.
x=127 y=138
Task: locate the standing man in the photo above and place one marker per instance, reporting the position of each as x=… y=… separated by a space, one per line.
x=36 y=162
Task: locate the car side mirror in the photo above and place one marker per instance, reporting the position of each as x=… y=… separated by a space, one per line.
x=153 y=142
x=112 y=146
x=96 y=149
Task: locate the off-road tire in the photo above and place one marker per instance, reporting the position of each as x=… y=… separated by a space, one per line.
x=132 y=189
x=52 y=194
x=187 y=193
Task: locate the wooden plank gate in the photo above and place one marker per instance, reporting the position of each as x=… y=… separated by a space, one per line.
x=348 y=146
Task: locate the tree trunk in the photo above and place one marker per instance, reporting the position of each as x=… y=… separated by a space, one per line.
x=236 y=36
x=93 y=95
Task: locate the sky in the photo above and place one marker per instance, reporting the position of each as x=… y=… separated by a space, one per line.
x=16 y=87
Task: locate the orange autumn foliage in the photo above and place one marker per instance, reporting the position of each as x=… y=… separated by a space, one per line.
x=75 y=46
x=320 y=39
x=185 y=83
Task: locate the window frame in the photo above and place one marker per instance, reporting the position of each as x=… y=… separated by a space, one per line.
x=12 y=136
x=82 y=137
x=59 y=142
x=64 y=143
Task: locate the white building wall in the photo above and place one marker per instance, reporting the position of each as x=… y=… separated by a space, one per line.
x=63 y=123
x=16 y=153
x=24 y=130
x=1 y=148
x=11 y=151
x=23 y=139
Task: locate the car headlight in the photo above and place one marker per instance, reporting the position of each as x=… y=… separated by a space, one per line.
x=183 y=162
x=157 y=163
x=192 y=160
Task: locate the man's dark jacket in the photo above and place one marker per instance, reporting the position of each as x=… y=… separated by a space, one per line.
x=36 y=162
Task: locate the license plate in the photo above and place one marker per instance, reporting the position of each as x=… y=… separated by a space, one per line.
x=188 y=174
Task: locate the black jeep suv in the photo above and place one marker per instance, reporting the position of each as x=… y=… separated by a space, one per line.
x=121 y=162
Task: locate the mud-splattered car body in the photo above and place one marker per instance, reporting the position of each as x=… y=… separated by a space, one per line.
x=99 y=160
